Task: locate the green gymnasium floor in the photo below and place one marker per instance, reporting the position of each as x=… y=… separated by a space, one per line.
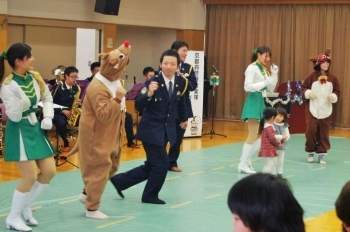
x=195 y=198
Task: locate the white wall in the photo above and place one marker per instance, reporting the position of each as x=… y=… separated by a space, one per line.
x=147 y=45
x=86 y=51
x=180 y=14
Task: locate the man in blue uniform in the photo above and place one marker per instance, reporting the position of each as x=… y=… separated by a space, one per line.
x=185 y=70
x=161 y=101
x=63 y=94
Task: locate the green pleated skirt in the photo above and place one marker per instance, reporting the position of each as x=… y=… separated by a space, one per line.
x=36 y=144
x=254 y=106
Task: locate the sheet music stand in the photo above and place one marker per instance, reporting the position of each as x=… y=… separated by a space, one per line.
x=58 y=157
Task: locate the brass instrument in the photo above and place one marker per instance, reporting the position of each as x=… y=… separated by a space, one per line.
x=59 y=73
x=76 y=110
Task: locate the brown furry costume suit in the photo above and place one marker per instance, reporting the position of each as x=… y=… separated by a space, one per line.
x=101 y=126
x=318 y=110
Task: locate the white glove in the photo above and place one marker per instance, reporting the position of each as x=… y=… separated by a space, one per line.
x=15 y=89
x=268 y=81
x=274 y=69
x=46 y=123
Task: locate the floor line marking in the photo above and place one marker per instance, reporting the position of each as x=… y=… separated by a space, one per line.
x=182 y=204
x=34 y=208
x=212 y=196
x=309 y=219
x=172 y=178
x=218 y=168
x=318 y=168
x=115 y=223
x=65 y=202
x=286 y=177
x=195 y=173
x=232 y=165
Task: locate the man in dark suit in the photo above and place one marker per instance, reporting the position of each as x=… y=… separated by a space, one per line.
x=162 y=101
x=185 y=70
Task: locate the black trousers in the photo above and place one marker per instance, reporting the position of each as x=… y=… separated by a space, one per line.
x=60 y=121
x=174 y=151
x=129 y=124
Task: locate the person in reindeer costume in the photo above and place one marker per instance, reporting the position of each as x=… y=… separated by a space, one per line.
x=321 y=89
x=101 y=128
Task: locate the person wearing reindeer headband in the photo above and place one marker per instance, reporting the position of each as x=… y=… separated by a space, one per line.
x=101 y=128
x=257 y=82
x=26 y=143
x=321 y=89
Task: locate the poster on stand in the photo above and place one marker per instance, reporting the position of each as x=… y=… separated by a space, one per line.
x=194 y=128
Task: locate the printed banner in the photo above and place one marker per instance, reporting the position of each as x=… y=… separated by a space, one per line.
x=194 y=128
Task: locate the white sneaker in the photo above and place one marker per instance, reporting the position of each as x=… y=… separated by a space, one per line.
x=82 y=198
x=96 y=215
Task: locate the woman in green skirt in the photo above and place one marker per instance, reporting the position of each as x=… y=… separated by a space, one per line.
x=257 y=82
x=25 y=142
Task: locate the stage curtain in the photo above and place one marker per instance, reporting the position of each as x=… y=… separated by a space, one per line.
x=293 y=32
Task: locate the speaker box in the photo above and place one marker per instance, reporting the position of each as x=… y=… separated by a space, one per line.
x=107 y=7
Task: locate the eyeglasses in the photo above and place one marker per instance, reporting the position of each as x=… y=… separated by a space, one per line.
x=75 y=76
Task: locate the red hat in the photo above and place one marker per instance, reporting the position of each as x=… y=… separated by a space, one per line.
x=321 y=58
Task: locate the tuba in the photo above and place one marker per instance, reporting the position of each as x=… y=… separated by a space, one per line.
x=76 y=110
x=59 y=73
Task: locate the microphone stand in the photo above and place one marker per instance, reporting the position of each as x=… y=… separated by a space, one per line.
x=213 y=108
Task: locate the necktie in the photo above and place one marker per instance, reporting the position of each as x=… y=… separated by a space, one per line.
x=170 y=90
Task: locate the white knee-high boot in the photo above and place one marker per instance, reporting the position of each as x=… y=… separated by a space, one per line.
x=13 y=220
x=243 y=165
x=33 y=195
x=255 y=149
x=270 y=164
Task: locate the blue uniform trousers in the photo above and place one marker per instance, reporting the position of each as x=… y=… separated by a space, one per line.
x=154 y=170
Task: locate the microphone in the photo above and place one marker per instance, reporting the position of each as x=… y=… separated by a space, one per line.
x=134 y=80
x=215 y=69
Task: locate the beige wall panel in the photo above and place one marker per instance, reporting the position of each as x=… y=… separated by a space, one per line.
x=3 y=6
x=182 y=14
x=15 y=35
x=51 y=47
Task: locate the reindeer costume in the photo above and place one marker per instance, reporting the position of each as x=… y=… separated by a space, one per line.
x=101 y=128
x=321 y=89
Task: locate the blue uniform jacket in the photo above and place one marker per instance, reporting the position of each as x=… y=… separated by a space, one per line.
x=187 y=70
x=159 y=113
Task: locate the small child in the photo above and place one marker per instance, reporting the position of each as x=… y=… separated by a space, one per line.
x=268 y=140
x=281 y=133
